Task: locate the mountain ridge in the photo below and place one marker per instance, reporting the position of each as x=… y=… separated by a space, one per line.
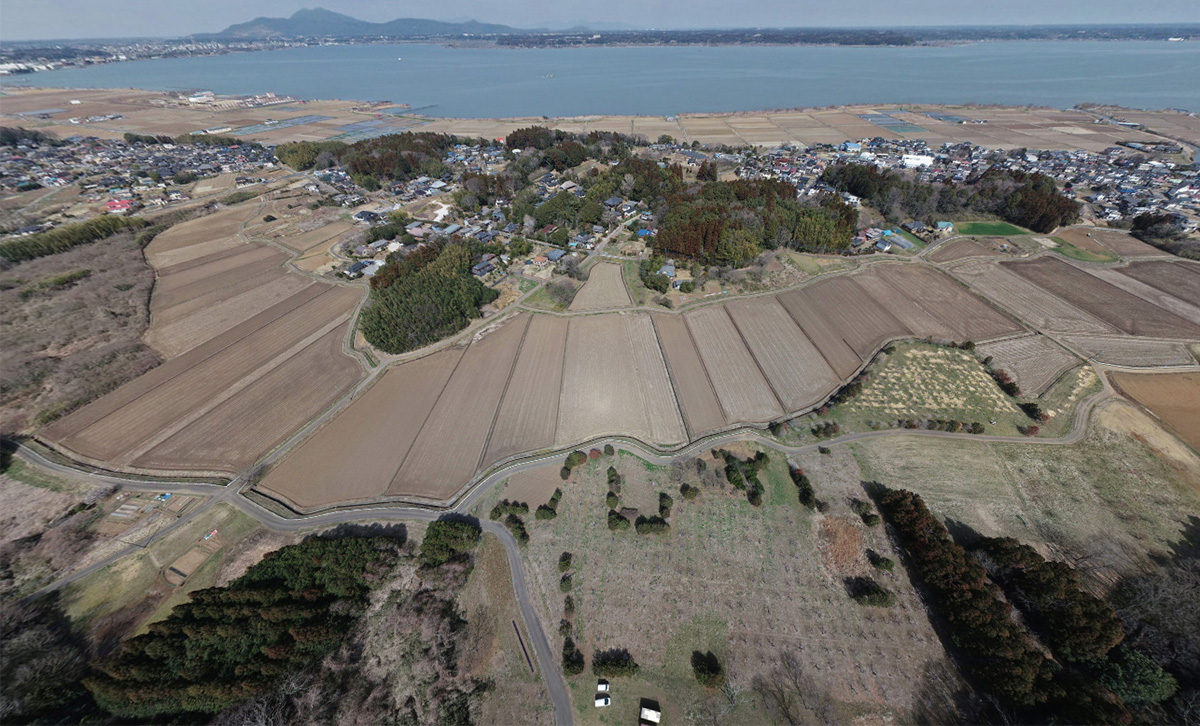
x=309 y=22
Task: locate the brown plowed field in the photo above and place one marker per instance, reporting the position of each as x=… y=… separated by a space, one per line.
x=1080 y=237
x=162 y=315
x=179 y=336
x=863 y=323
x=241 y=429
x=828 y=339
x=1034 y=361
x=150 y=414
x=315 y=238
x=1185 y=308
x=1125 y=245
x=1132 y=352
x=199 y=250
x=961 y=249
x=740 y=385
x=173 y=289
x=697 y=399
x=529 y=412
x=169 y=370
x=794 y=367
x=356 y=455
x=658 y=396
x=224 y=223
x=599 y=392
x=604 y=289
x=1037 y=307
x=1173 y=397
x=1181 y=279
x=919 y=319
x=448 y=450
x=943 y=300
x=1112 y=305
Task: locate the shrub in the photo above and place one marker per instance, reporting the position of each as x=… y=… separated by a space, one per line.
x=565 y=473
x=566 y=582
x=545 y=511
x=879 y=562
x=564 y=628
x=867 y=592
x=707 y=669
x=568 y=605
x=689 y=492
x=614 y=663
x=575 y=458
x=754 y=494
x=594 y=454
x=614 y=480
x=687 y=287
x=977 y=428
x=612 y=500
x=516 y=525
x=651 y=525
x=269 y=218
x=804 y=489
x=616 y=522
x=822 y=506
x=506 y=507
x=564 y=561
x=665 y=502
x=866 y=512
x=608 y=450
x=1138 y=680
x=572 y=658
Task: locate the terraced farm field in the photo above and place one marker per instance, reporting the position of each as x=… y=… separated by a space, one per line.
x=961 y=249
x=1126 y=245
x=1032 y=304
x=798 y=374
x=741 y=387
x=1186 y=306
x=697 y=399
x=528 y=416
x=1129 y=351
x=1034 y=361
x=1181 y=279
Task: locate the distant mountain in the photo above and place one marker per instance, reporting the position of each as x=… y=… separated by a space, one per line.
x=328 y=24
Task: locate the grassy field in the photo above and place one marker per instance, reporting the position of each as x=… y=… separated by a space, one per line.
x=525 y=285
x=920 y=243
x=813 y=265
x=1106 y=503
x=922 y=382
x=541 y=300
x=18 y=470
x=1066 y=249
x=772 y=589
x=637 y=291
x=993 y=229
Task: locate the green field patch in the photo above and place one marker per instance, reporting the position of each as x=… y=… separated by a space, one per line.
x=1066 y=249
x=989 y=229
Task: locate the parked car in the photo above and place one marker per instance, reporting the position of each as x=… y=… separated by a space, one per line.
x=602 y=700
x=602 y=685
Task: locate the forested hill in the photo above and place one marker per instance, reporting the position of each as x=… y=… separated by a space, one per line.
x=328 y=24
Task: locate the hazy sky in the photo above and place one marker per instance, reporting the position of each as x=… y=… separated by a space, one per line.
x=34 y=19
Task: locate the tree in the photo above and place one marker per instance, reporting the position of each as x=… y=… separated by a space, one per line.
x=707 y=669
x=614 y=663
x=1138 y=680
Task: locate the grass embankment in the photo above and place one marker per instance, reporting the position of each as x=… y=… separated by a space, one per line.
x=989 y=229
x=1066 y=249
x=926 y=382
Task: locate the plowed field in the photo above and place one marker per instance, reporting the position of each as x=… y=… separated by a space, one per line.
x=604 y=290
x=529 y=412
x=1037 y=307
x=1113 y=305
x=740 y=385
x=448 y=450
x=828 y=339
x=1125 y=245
x=356 y=455
x=797 y=372
x=961 y=249
x=1185 y=308
x=1173 y=397
x=1181 y=279
x=847 y=308
x=697 y=399
x=931 y=304
x=1132 y=352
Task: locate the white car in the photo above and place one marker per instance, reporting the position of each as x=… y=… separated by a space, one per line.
x=602 y=701
x=602 y=686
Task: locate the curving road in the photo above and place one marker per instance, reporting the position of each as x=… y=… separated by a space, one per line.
x=231 y=494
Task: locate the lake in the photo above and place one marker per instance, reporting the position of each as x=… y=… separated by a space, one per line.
x=660 y=81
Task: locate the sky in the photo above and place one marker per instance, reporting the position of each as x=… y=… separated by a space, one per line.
x=42 y=19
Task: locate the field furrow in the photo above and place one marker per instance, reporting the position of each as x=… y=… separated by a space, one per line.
x=794 y=367
x=529 y=411
x=448 y=450
x=1181 y=279
x=1034 y=361
x=743 y=391
x=1185 y=308
x=697 y=399
x=356 y=454
x=1132 y=352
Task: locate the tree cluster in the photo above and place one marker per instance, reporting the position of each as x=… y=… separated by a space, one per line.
x=61 y=239
x=614 y=663
x=744 y=474
x=550 y=509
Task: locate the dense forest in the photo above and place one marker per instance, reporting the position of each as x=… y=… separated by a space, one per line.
x=61 y=239
x=423 y=297
x=1029 y=200
x=373 y=162
x=1062 y=660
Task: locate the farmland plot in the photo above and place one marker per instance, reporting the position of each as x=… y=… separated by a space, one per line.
x=1034 y=361
x=1037 y=307
x=797 y=372
x=961 y=249
x=697 y=399
x=603 y=391
x=312 y=239
x=182 y=282
x=239 y=430
x=1185 y=307
x=741 y=387
x=163 y=314
x=1111 y=304
x=225 y=223
x=1126 y=245
x=529 y=412
x=1133 y=352
x=356 y=455
x=153 y=415
x=1174 y=398
x=863 y=323
x=604 y=290
x=448 y=450
x=1181 y=279
x=828 y=339
x=949 y=305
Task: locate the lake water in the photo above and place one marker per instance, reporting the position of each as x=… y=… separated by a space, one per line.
x=496 y=82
